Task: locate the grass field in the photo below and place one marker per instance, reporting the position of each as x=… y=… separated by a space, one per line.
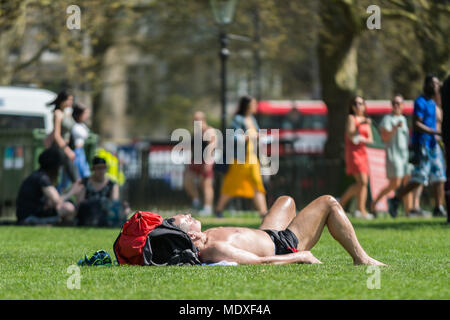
x=34 y=264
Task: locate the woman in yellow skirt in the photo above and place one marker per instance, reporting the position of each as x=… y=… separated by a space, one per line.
x=244 y=179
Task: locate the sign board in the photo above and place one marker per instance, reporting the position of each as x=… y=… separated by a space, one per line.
x=377 y=176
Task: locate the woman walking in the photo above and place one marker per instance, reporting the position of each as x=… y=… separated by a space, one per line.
x=59 y=138
x=243 y=178
x=80 y=132
x=357 y=135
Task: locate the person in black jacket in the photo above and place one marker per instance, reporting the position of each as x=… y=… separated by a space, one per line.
x=38 y=201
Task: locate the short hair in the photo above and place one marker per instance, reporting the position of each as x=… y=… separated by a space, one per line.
x=428 y=87
x=182 y=227
x=399 y=95
x=50 y=159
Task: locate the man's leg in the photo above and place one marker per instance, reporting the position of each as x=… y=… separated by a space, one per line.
x=66 y=212
x=438 y=178
x=208 y=195
x=309 y=223
x=361 y=196
x=419 y=177
x=394 y=183
x=221 y=204
x=191 y=188
x=439 y=194
x=408 y=198
x=351 y=192
x=280 y=214
x=260 y=202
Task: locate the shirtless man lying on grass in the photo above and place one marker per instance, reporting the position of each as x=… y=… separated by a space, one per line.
x=284 y=237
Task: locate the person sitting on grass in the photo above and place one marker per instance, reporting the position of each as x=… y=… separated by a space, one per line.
x=98 y=201
x=38 y=201
x=284 y=237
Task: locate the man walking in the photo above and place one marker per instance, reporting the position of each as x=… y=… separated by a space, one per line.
x=427 y=165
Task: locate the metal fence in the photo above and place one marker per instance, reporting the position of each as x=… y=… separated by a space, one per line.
x=154 y=181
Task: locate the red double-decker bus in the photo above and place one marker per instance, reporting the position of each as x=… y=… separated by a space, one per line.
x=303 y=124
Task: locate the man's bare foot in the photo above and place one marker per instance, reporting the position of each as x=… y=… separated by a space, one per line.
x=369 y=262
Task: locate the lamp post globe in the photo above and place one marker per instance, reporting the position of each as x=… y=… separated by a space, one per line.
x=223 y=11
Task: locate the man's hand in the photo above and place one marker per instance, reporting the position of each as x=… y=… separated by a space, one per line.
x=307 y=257
x=77 y=187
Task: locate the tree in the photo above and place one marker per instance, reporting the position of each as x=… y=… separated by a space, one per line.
x=337 y=52
x=343 y=23
x=20 y=24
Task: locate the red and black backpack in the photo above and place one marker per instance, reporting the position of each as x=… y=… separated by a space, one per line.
x=147 y=239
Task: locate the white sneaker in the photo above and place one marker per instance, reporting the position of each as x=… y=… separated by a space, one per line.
x=205 y=212
x=368 y=216
x=358 y=214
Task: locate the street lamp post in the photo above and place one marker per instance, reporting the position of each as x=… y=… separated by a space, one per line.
x=224 y=54
x=223 y=12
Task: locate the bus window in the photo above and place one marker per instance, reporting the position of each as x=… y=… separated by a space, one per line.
x=313 y=122
x=268 y=121
x=8 y=121
x=293 y=122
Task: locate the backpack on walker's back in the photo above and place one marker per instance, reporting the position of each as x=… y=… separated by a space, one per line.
x=148 y=240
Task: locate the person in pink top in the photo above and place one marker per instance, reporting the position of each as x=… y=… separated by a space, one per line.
x=358 y=134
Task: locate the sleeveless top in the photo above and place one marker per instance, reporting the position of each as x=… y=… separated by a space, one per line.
x=356 y=154
x=92 y=193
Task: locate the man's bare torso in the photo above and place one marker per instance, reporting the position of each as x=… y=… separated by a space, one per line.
x=255 y=241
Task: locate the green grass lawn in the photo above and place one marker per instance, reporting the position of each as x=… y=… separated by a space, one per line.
x=34 y=264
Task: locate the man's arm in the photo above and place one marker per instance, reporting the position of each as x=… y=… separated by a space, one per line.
x=421 y=127
x=224 y=251
x=55 y=199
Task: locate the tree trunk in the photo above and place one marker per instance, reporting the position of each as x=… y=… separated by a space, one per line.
x=337 y=51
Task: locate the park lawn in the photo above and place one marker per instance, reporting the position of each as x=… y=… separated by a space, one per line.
x=34 y=264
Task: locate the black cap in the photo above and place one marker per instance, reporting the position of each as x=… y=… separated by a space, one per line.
x=98 y=160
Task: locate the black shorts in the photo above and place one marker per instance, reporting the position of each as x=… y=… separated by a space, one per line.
x=285 y=241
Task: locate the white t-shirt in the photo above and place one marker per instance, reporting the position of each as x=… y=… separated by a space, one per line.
x=80 y=132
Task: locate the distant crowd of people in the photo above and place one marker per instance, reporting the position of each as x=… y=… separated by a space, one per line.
x=407 y=174
x=407 y=171
x=83 y=195
x=67 y=189
x=242 y=177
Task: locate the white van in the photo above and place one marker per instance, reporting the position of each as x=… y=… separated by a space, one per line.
x=24 y=108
